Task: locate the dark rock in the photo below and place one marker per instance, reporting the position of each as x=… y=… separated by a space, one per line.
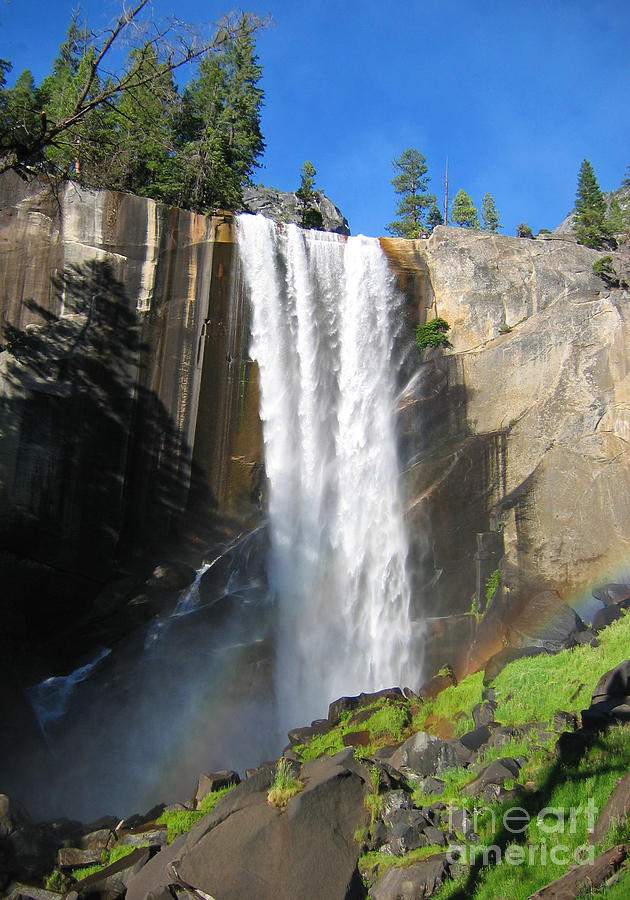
x=343 y=704
x=378 y=836
x=616 y=682
x=172 y=576
x=394 y=800
x=432 y=785
x=483 y=713
x=415 y=882
x=464 y=755
x=611 y=699
x=12 y=815
x=474 y=740
x=406 y=831
x=587 y=636
x=214 y=781
x=390 y=779
x=356 y=739
x=435 y=685
x=301 y=735
x=73 y=857
x=410 y=695
x=506 y=733
x=149 y=835
x=114 y=596
x=435 y=836
x=320 y=726
x=284 y=206
x=616 y=810
x=612 y=594
x=111 y=881
x=565 y=721
x=424 y=754
x=19 y=891
x=234 y=851
x=606 y=616
x=545 y=618
x=386 y=752
x=495 y=774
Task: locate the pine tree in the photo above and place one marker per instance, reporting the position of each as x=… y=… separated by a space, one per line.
x=591 y=227
x=220 y=124
x=434 y=217
x=490 y=214
x=411 y=183
x=144 y=123
x=464 y=211
x=311 y=217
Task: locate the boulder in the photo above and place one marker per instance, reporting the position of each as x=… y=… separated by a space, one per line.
x=565 y=721
x=356 y=739
x=74 y=857
x=545 y=618
x=424 y=754
x=343 y=704
x=284 y=206
x=407 y=828
x=483 y=713
x=495 y=775
x=445 y=678
x=12 y=815
x=214 y=781
x=474 y=740
x=616 y=810
x=416 y=882
x=606 y=616
x=393 y=801
x=248 y=848
x=19 y=891
x=433 y=785
x=611 y=699
x=612 y=594
x=111 y=882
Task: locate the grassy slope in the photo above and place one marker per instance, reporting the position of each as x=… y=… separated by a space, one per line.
x=526 y=691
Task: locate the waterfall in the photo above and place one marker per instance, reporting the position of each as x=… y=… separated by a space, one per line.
x=323 y=316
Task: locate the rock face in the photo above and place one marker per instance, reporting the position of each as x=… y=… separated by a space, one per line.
x=128 y=411
x=134 y=364
x=520 y=430
x=283 y=206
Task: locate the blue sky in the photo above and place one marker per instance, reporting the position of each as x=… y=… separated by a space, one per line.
x=515 y=93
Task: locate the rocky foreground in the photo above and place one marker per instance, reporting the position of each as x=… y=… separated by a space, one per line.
x=365 y=803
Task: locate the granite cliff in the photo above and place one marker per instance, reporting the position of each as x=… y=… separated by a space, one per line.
x=130 y=415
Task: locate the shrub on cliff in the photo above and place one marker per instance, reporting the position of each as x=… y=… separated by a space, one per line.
x=432 y=334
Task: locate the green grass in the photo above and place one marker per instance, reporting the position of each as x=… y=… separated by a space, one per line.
x=382 y=861
x=563 y=788
x=108 y=857
x=454 y=703
x=388 y=724
x=284 y=785
x=534 y=688
x=179 y=821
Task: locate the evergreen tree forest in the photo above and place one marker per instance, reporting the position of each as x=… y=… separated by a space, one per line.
x=132 y=128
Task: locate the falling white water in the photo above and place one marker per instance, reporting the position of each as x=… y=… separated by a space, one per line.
x=322 y=314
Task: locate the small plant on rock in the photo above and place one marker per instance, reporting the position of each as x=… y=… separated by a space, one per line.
x=604 y=268
x=284 y=785
x=492 y=584
x=432 y=334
